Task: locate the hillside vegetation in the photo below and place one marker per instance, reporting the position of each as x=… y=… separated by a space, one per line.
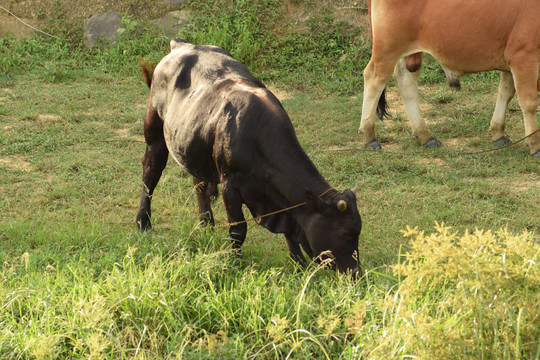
x=450 y=241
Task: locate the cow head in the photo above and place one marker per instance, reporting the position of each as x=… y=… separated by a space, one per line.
x=333 y=228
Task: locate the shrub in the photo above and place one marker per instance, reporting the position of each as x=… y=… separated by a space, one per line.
x=475 y=295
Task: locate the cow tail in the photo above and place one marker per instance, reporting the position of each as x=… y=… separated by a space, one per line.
x=382 y=106
x=148 y=71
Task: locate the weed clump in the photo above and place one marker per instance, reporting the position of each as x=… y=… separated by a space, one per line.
x=475 y=295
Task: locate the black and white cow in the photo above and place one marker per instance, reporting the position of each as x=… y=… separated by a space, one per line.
x=224 y=126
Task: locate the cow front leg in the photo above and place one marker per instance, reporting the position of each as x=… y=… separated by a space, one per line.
x=235 y=216
x=154 y=161
x=293 y=242
x=407 y=83
x=504 y=95
x=205 y=191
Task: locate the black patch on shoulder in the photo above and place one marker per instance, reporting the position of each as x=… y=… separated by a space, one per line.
x=183 y=81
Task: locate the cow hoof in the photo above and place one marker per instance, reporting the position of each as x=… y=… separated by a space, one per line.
x=537 y=154
x=237 y=253
x=143 y=223
x=375 y=145
x=207 y=220
x=432 y=143
x=503 y=141
x=144 y=228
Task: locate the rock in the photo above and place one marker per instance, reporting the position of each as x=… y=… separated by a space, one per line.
x=172 y=22
x=102 y=27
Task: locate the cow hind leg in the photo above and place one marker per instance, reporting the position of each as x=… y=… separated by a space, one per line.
x=154 y=161
x=504 y=95
x=525 y=81
x=375 y=77
x=205 y=191
x=407 y=83
x=235 y=216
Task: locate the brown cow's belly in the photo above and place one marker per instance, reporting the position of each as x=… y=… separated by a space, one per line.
x=464 y=36
x=472 y=62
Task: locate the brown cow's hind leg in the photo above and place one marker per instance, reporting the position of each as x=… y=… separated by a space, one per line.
x=375 y=77
x=407 y=83
x=504 y=95
x=525 y=78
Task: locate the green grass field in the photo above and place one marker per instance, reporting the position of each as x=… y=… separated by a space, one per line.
x=450 y=241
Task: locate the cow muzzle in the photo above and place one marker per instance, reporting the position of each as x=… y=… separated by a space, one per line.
x=348 y=267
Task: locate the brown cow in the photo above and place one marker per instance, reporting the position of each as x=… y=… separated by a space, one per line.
x=464 y=37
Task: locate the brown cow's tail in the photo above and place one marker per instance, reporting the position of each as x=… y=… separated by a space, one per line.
x=382 y=106
x=148 y=71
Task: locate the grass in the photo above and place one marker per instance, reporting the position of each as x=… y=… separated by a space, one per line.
x=78 y=280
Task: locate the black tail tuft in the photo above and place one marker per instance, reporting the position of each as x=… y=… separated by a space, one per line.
x=382 y=106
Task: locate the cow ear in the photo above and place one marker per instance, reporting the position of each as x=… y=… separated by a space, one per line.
x=313 y=201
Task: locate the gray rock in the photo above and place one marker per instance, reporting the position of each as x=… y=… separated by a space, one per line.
x=172 y=22
x=102 y=27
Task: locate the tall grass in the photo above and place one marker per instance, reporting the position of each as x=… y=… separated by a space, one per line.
x=468 y=296
x=465 y=296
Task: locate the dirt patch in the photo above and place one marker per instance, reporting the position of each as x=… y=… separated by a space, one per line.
x=518 y=183
x=393 y=99
x=281 y=94
x=432 y=162
x=20 y=29
x=127 y=134
x=348 y=146
x=527 y=185
x=352 y=12
x=72 y=10
x=48 y=118
x=15 y=162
